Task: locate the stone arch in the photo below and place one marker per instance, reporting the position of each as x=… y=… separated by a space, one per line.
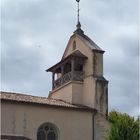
x=48 y=131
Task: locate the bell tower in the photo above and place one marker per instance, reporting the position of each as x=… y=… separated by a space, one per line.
x=78 y=77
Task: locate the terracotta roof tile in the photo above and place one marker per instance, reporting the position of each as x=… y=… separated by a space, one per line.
x=9 y=96
x=76 y=53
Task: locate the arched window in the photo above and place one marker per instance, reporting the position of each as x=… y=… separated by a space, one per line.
x=74 y=45
x=47 y=131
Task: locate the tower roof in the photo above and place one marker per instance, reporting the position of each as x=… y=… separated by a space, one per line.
x=76 y=53
x=90 y=42
x=84 y=37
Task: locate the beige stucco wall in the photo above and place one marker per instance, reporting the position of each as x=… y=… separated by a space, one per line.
x=98 y=64
x=101 y=126
x=89 y=92
x=70 y=92
x=88 y=89
x=77 y=93
x=64 y=93
x=102 y=98
x=24 y=120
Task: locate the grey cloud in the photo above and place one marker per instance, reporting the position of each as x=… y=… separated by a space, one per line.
x=120 y=10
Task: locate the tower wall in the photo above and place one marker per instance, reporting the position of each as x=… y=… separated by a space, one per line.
x=89 y=92
x=63 y=93
x=92 y=91
x=101 y=126
x=81 y=46
x=97 y=64
x=70 y=92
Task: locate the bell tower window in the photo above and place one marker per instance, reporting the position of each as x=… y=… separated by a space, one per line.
x=68 y=69
x=74 y=45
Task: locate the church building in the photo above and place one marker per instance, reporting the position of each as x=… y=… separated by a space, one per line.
x=77 y=105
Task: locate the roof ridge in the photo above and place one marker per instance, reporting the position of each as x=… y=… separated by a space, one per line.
x=21 y=94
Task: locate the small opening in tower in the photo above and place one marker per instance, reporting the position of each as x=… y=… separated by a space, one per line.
x=74 y=45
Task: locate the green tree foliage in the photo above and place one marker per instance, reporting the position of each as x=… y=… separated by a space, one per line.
x=122 y=127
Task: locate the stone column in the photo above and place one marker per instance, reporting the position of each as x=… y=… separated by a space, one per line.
x=62 y=70
x=62 y=74
x=72 y=68
x=53 y=79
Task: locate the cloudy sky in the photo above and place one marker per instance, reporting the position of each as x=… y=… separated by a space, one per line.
x=35 y=34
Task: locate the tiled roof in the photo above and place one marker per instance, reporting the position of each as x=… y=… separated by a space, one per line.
x=90 y=42
x=16 y=97
x=76 y=53
x=87 y=40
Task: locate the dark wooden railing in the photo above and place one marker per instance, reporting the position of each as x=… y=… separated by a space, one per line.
x=70 y=76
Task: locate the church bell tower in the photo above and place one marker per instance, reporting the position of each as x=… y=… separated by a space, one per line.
x=78 y=77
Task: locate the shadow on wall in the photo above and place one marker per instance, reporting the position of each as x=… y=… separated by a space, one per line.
x=8 y=137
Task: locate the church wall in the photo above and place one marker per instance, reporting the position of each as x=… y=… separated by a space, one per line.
x=100 y=93
x=101 y=126
x=98 y=64
x=24 y=120
x=64 y=93
x=77 y=93
x=89 y=92
x=102 y=98
x=70 y=92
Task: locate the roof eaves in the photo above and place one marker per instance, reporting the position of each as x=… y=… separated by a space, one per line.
x=98 y=51
x=78 y=108
x=34 y=100
x=76 y=53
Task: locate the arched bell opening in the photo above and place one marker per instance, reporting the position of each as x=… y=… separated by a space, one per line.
x=69 y=69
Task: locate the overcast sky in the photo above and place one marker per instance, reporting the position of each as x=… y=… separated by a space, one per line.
x=35 y=34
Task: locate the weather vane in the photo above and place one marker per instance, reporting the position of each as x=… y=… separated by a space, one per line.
x=78 y=30
x=78 y=9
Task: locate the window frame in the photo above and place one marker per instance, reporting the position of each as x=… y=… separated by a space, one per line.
x=51 y=128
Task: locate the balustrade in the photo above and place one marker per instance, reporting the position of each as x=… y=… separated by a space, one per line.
x=70 y=76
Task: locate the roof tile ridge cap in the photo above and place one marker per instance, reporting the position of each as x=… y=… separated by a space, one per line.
x=22 y=94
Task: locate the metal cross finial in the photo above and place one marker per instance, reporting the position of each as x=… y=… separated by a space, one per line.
x=78 y=30
x=78 y=9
